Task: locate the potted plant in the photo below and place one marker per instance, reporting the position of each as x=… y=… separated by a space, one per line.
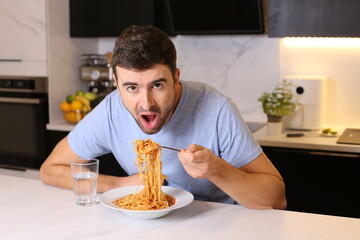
x=278 y=103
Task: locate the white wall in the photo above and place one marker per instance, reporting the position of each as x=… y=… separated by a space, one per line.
x=244 y=66
x=338 y=59
x=64 y=57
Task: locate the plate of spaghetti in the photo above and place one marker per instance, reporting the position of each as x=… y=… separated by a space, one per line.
x=183 y=198
x=151 y=199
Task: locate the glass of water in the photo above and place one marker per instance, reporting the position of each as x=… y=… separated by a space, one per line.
x=85 y=174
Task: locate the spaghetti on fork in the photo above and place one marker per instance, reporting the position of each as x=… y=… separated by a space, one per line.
x=151 y=197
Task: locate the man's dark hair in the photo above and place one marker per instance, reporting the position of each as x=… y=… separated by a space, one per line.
x=141 y=47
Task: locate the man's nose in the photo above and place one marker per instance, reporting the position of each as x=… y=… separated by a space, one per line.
x=146 y=100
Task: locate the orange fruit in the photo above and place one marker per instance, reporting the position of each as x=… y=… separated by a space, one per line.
x=73 y=116
x=65 y=106
x=76 y=105
x=70 y=116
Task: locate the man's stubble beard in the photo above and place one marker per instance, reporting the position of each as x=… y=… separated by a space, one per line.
x=157 y=128
x=161 y=121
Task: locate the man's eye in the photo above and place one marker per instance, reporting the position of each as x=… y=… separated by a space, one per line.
x=132 y=88
x=157 y=85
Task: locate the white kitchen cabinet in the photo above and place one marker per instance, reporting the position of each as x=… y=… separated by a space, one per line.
x=37 y=33
x=23 y=38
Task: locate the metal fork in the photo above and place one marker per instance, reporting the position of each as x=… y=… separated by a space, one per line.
x=173 y=149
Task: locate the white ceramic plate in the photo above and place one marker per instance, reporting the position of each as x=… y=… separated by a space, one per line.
x=182 y=197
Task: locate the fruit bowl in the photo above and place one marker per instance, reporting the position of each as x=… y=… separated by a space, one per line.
x=74 y=116
x=75 y=107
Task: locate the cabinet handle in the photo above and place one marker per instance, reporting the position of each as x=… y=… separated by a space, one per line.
x=335 y=154
x=10 y=60
x=20 y=100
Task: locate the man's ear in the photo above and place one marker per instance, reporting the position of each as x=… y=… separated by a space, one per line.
x=177 y=76
x=114 y=79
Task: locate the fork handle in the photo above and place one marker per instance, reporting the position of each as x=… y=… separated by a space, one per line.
x=173 y=149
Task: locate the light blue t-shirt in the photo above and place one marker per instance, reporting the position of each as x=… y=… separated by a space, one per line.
x=203 y=116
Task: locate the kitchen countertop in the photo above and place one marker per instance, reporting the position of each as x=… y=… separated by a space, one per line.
x=31 y=210
x=60 y=126
x=312 y=140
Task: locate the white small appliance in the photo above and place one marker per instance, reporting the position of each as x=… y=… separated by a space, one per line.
x=310 y=92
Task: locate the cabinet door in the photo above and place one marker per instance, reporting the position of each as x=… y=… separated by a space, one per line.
x=314 y=18
x=319 y=182
x=108 y=18
x=23 y=30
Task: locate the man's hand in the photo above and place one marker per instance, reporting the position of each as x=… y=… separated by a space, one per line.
x=256 y=185
x=199 y=162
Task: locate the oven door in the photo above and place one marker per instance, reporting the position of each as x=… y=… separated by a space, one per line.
x=23 y=130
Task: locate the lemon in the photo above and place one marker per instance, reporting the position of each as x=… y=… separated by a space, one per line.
x=65 y=106
x=80 y=93
x=76 y=105
x=326 y=130
x=90 y=96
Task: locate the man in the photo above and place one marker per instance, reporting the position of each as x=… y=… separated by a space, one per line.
x=222 y=161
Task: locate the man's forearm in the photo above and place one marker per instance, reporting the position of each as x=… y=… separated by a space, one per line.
x=60 y=176
x=252 y=190
x=56 y=175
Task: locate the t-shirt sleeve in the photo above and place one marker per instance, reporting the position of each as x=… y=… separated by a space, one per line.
x=89 y=137
x=237 y=144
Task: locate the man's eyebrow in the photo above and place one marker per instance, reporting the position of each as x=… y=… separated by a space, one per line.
x=158 y=81
x=151 y=83
x=129 y=84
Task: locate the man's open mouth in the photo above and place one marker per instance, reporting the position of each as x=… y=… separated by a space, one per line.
x=149 y=120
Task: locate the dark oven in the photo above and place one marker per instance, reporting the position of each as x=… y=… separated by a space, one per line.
x=24 y=115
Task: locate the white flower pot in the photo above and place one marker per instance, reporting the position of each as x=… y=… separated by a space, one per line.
x=274 y=125
x=274 y=128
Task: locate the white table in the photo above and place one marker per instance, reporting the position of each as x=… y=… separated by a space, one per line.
x=31 y=210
